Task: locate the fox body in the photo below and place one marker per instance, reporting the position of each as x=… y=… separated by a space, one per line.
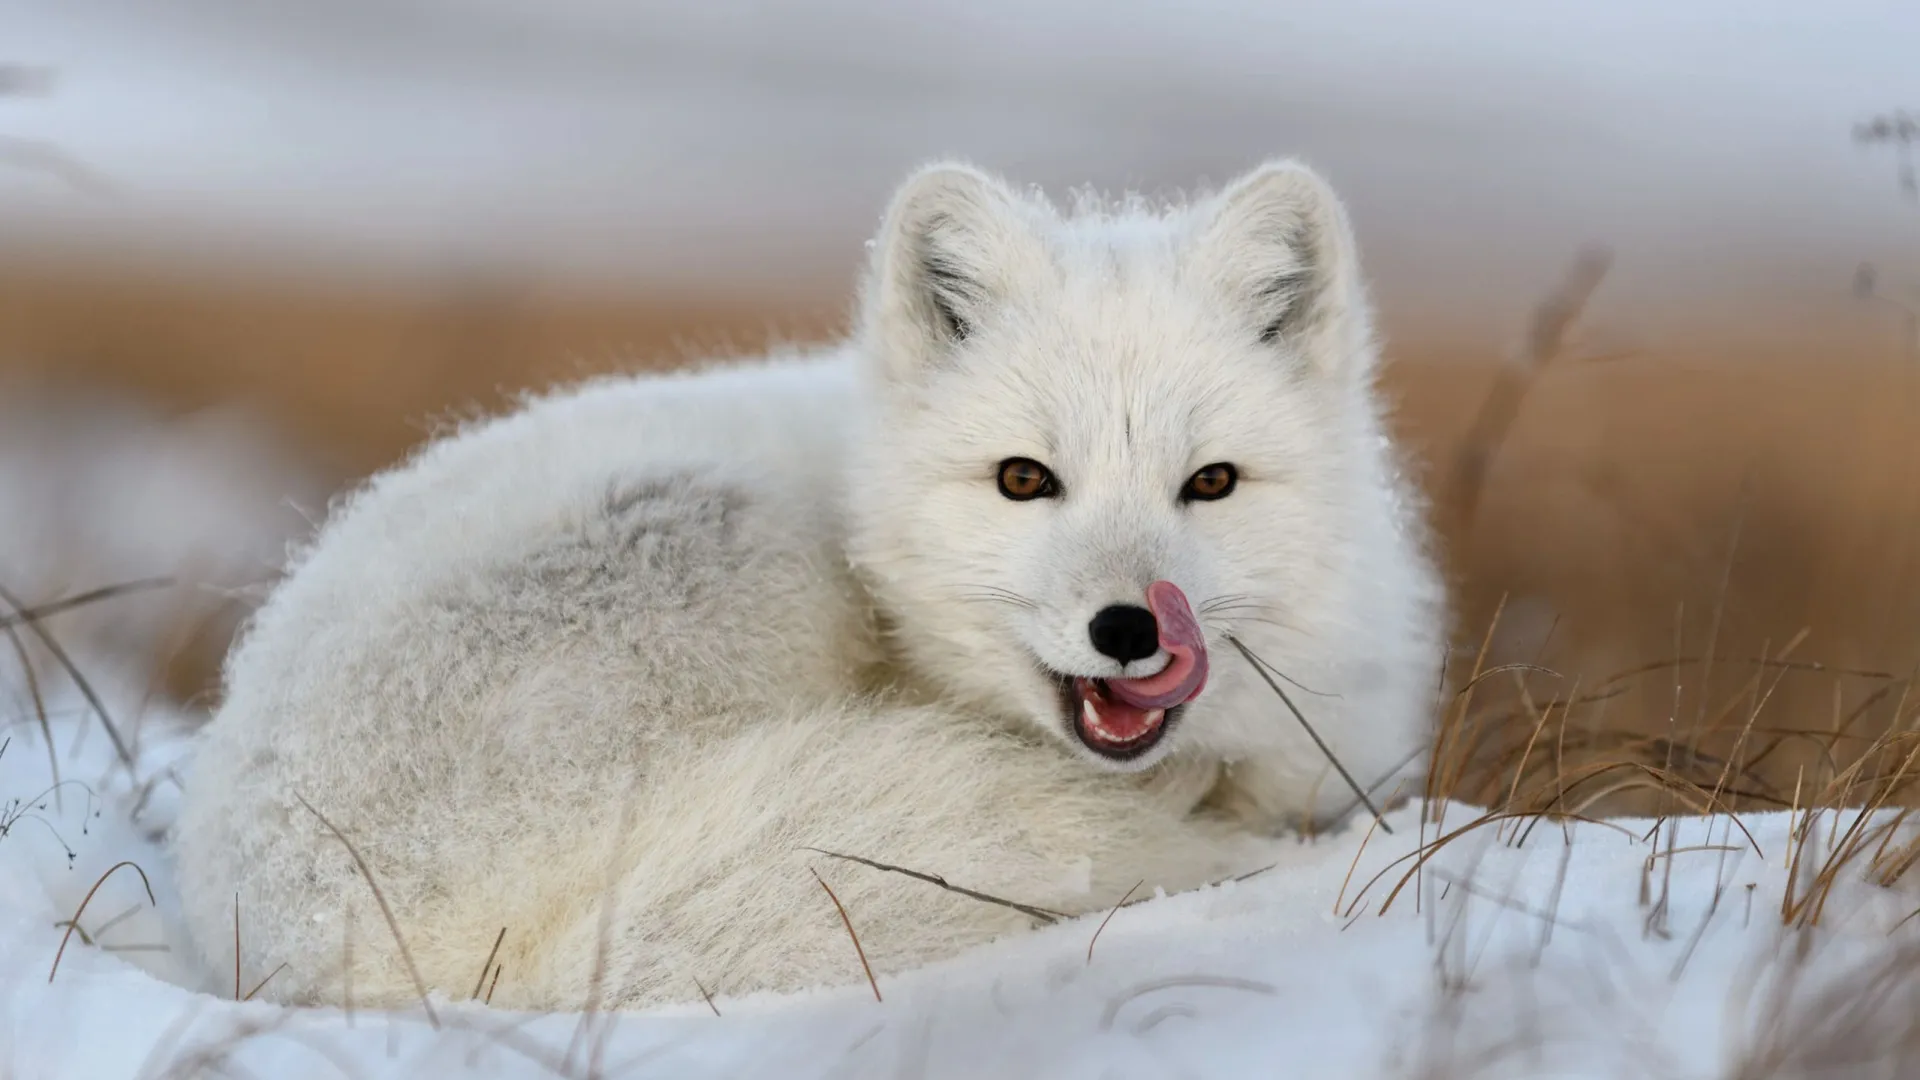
x=964 y=594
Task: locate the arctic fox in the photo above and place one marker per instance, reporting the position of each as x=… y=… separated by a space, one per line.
x=964 y=595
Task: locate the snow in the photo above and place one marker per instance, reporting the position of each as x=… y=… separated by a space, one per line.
x=1568 y=964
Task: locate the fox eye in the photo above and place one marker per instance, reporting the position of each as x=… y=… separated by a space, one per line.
x=1022 y=479
x=1212 y=482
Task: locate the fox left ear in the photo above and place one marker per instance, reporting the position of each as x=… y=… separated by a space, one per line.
x=1278 y=245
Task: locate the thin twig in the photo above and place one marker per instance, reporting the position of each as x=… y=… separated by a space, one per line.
x=707 y=995
x=393 y=925
x=1317 y=741
x=848 y=922
x=1043 y=914
x=73 y=672
x=79 y=600
x=74 y=923
x=257 y=987
x=1116 y=910
x=40 y=713
x=480 y=983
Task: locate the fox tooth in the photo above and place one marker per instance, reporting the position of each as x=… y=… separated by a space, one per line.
x=1154 y=717
x=1092 y=714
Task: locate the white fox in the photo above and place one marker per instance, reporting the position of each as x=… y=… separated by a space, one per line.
x=960 y=595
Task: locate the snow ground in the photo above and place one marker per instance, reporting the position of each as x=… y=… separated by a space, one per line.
x=1548 y=943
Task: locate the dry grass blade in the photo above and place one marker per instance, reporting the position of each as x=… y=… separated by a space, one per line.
x=73 y=672
x=1043 y=914
x=1420 y=855
x=1347 y=879
x=1488 y=673
x=262 y=984
x=1359 y=791
x=602 y=948
x=707 y=996
x=1092 y=941
x=80 y=600
x=386 y=912
x=1845 y=848
x=1757 y=661
x=74 y=923
x=1526 y=752
x=480 y=983
x=1375 y=787
x=1441 y=783
x=1668 y=782
x=32 y=679
x=847 y=921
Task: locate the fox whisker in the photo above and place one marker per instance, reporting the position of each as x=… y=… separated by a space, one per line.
x=1221 y=603
x=993 y=594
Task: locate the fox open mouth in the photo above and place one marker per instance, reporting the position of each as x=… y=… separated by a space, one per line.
x=1122 y=719
x=1111 y=727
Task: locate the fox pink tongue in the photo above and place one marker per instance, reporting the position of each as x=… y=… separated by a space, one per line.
x=1186 y=674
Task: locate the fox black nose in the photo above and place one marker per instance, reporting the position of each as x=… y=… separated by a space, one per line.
x=1125 y=632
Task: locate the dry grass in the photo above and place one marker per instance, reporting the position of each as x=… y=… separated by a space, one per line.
x=73 y=923
x=386 y=912
x=847 y=920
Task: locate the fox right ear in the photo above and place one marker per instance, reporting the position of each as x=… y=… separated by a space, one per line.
x=955 y=243
x=1278 y=243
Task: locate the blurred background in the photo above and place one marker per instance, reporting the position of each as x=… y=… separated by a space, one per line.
x=251 y=252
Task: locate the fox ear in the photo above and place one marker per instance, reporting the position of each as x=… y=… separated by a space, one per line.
x=954 y=244
x=1278 y=245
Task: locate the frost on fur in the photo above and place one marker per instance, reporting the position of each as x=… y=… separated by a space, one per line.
x=603 y=670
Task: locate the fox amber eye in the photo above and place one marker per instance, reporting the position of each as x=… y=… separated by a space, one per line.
x=1210 y=483
x=1023 y=478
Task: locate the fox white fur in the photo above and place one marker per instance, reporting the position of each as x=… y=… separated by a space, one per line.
x=601 y=672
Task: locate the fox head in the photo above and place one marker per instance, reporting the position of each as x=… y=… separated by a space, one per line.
x=1109 y=443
